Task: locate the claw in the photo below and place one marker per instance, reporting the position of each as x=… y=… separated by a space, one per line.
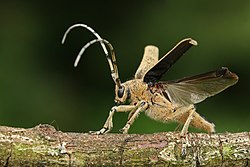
x=99 y=132
x=125 y=129
x=185 y=145
x=121 y=130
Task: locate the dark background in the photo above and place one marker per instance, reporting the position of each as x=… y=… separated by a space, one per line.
x=38 y=83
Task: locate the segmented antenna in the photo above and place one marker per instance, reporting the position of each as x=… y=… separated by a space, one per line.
x=111 y=60
x=91 y=30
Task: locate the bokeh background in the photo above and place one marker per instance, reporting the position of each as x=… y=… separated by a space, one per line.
x=38 y=83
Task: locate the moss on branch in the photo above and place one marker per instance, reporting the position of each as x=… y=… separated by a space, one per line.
x=45 y=146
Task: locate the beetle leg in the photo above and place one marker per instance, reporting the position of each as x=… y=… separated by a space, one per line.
x=109 y=122
x=141 y=107
x=186 y=125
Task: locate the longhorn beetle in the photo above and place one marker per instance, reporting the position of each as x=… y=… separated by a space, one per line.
x=160 y=100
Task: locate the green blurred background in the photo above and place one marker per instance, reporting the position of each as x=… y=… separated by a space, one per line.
x=38 y=83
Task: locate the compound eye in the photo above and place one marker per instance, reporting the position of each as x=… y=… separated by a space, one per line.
x=120 y=91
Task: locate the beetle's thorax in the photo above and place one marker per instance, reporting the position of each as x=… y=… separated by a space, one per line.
x=134 y=91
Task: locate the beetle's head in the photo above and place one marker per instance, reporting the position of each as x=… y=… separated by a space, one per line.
x=122 y=94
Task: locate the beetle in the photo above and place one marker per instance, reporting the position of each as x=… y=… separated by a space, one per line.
x=160 y=100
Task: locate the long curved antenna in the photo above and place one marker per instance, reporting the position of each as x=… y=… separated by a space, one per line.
x=111 y=61
x=91 y=30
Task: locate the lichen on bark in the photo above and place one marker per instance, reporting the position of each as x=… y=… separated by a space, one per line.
x=43 y=145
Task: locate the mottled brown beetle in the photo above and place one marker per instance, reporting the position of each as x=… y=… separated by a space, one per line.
x=161 y=100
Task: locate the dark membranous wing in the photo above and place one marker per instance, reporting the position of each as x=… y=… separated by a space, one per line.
x=192 y=90
x=155 y=73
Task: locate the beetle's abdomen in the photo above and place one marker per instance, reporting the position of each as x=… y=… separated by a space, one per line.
x=158 y=113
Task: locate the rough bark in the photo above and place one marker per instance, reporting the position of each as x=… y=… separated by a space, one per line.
x=44 y=146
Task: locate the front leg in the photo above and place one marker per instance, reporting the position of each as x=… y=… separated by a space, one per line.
x=109 y=122
x=142 y=105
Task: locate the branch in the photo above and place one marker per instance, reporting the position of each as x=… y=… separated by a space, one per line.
x=44 y=146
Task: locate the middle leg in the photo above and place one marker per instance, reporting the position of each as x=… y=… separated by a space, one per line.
x=142 y=106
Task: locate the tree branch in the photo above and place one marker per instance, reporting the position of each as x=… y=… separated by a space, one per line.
x=44 y=146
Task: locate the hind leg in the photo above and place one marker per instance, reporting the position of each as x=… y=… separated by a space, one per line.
x=200 y=123
x=188 y=116
x=189 y=119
